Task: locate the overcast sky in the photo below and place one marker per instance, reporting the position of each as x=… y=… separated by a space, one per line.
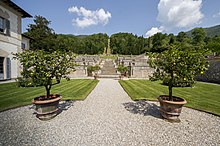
x=141 y=17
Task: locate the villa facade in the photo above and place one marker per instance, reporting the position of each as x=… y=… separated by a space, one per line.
x=11 y=38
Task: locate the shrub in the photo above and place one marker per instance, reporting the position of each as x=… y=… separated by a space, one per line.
x=91 y=69
x=122 y=69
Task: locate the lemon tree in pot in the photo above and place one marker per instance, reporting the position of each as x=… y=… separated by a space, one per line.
x=177 y=64
x=123 y=70
x=93 y=69
x=96 y=68
x=46 y=69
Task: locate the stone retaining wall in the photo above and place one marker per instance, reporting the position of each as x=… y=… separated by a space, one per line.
x=138 y=66
x=81 y=65
x=212 y=75
x=141 y=72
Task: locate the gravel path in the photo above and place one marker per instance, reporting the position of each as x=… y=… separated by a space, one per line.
x=108 y=117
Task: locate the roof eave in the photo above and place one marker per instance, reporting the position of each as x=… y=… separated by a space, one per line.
x=17 y=8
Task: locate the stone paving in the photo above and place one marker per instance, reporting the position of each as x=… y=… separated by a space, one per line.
x=108 y=117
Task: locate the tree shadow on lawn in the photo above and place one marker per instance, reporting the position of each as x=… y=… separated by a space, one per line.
x=144 y=108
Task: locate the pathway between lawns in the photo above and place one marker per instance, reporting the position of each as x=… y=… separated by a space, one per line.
x=108 y=117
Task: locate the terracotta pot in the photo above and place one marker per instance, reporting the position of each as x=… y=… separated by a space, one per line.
x=95 y=77
x=47 y=109
x=171 y=109
x=121 y=76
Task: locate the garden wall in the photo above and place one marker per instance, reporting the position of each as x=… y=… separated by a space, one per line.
x=212 y=75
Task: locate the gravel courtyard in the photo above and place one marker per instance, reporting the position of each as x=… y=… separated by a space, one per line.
x=108 y=117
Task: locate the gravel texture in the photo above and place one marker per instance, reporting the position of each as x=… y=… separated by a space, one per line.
x=108 y=117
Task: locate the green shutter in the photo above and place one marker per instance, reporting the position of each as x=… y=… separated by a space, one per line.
x=2 y=24
x=8 y=69
x=7 y=25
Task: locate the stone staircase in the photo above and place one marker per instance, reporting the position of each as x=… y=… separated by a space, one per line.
x=108 y=70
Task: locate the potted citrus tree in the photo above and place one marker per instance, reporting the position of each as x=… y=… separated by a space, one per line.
x=46 y=69
x=93 y=69
x=177 y=64
x=89 y=70
x=123 y=70
x=96 y=68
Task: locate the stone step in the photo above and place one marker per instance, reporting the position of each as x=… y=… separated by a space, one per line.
x=108 y=69
x=115 y=76
x=109 y=72
x=108 y=65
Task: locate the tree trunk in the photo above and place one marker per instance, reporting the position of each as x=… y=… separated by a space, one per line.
x=170 y=92
x=48 y=90
x=171 y=88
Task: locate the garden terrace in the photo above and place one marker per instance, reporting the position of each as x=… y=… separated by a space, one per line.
x=108 y=117
x=82 y=63
x=138 y=65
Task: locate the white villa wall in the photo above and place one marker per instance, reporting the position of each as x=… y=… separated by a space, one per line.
x=12 y=43
x=15 y=69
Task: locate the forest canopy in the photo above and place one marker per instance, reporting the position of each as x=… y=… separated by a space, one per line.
x=45 y=38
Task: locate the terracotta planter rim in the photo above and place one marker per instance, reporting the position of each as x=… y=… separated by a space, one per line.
x=47 y=101
x=172 y=102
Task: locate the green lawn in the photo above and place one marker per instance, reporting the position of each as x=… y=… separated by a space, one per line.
x=12 y=96
x=202 y=96
x=113 y=57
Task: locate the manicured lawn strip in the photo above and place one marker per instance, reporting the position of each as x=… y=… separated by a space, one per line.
x=19 y=93
x=66 y=88
x=134 y=88
x=129 y=86
x=152 y=88
x=203 y=96
x=109 y=57
x=11 y=90
x=12 y=96
x=78 y=91
x=83 y=90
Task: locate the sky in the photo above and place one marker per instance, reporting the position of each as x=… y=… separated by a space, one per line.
x=140 y=17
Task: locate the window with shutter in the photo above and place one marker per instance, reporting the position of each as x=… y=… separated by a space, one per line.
x=1 y=64
x=2 y=25
x=7 y=27
x=1 y=68
x=8 y=68
x=22 y=45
